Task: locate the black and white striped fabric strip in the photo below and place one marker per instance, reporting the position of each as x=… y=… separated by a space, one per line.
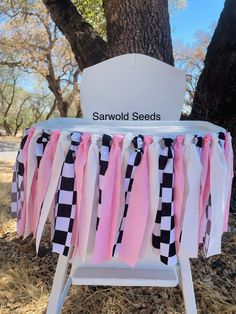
x=198 y=142
x=207 y=221
x=41 y=144
x=103 y=164
x=133 y=162
x=17 y=189
x=66 y=201
x=221 y=137
x=163 y=238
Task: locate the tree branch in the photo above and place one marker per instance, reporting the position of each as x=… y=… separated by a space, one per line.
x=89 y=48
x=52 y=109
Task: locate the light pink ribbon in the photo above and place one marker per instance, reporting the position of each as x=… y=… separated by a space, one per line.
x=178 y=186
x=44 y=174
x=30 y=206
x=105 y=235
x=21 y=222
x=80 y=162
x=229 y=156
x=205 y=182
x=138 y=211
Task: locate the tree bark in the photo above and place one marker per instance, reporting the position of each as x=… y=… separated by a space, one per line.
x=88 y=47
x=133 y=26
x=215 y=95
x=52 y=109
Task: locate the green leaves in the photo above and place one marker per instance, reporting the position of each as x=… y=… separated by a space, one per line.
x=92 y=11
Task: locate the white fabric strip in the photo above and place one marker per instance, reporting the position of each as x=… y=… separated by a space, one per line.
x=218 y=185
x=89 y=187
x=154 y=184
x=60 y=155
x=192 y=174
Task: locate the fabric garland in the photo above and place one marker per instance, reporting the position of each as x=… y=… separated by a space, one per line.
x=119 y=197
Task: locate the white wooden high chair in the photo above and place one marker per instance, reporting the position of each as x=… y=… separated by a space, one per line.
x=130 y=83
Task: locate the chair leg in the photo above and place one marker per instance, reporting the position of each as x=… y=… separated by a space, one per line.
x=187 y=286
x=58 y=284
x=64 y=294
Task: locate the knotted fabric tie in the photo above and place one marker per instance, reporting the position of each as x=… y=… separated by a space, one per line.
x=221 y=137
x=178 y=186
x=205 y=184
x=80 y=162
x=22 y=215
x=163 y=238
x=41 y=144
x=133 y=162
x=17 y=191
x=44 y=172
x=229 y=156
x=199 y=142
x=66 y=202
x=138 y=211
x=110 y=201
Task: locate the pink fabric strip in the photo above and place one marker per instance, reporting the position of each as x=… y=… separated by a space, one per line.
x=178 y=186
x=205 y=183
x=30 y=206
x=80 y=162
x=105 y=235
x=44 y=174
x=21 y=222
x=138 y=211
x=229 y=156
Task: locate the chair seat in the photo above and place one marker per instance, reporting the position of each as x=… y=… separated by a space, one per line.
x=125 y=277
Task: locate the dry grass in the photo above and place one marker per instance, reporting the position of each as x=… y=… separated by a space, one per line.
x=26 y=279
x=21 y=291
x=5 y=197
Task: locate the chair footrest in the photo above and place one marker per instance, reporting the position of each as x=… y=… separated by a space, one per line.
x=125 y=277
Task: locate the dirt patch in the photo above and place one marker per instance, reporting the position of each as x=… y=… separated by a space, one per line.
x=9 y=143
x=10 y=138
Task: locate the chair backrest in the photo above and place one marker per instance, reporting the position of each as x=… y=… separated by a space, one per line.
x=133 y=83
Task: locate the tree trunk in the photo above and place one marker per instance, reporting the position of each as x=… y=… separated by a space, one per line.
x=6 y=126
x=63 y=108
x=215 y=95
x=51 y=110
x=135 y=27
x=18 y=125
x=5 y=114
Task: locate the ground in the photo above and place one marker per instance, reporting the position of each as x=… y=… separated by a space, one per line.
x=26 y=279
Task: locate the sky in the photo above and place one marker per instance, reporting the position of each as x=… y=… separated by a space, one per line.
x=198 y=15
